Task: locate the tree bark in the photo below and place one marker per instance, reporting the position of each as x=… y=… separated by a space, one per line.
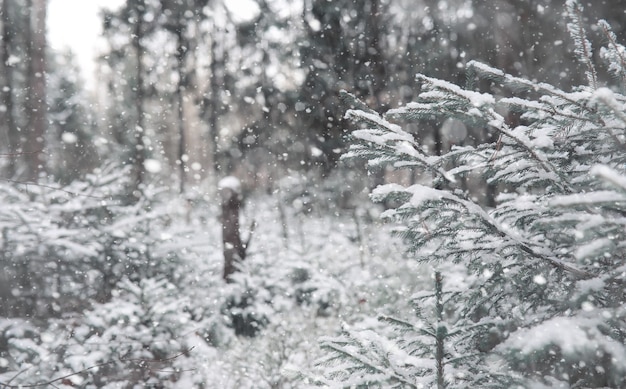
x=181 y=52
x=234 y=249
x=6 y=91
x=212 y=102
x=140 y=152
x=36 y=81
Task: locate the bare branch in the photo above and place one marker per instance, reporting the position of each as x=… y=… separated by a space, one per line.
x=26 y=183
x=8 y=385
x=13 y=155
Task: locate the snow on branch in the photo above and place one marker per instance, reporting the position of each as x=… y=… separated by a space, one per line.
x=424 y=196
x=581 y=43
x=610 y=99
x=614 y=53
x=609 y=175
x=517 y=84
x=387 y=142
x=589 y=198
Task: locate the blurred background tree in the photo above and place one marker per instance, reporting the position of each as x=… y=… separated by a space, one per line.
x=201 y=91
x=190 y=91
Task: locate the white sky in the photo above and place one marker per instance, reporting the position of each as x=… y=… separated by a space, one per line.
x=77 y=24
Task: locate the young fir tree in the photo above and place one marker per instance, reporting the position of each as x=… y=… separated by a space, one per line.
x=437 y=349
x=546 y=266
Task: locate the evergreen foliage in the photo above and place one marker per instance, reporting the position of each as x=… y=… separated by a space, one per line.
x=436 y=350
x=545 y=266
x=77 y=243
x=73 y=146
x=163 y=320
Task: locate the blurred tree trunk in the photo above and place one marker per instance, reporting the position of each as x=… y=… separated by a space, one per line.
x=212 y=102
x=36 y=107
x=371 y=83
x=6 y=90
x=234 y=248
x=181 y=53
x=139 y=152
x=374 y=79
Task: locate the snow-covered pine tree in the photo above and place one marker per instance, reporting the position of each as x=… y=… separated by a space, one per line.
x=546 y=266
x=435 y=349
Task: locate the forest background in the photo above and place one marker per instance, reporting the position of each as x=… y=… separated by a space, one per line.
x=110 y=219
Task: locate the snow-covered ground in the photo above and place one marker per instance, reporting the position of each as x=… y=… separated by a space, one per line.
x=310 y=272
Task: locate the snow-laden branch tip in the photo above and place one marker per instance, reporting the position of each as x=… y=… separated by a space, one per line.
x=609 y=175
x=590 y=198
x=476 y=99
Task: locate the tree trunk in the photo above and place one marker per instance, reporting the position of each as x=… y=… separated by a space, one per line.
x=441 y=331
x=181 y=52
x=140 y=152
x=234 y=249
x=374 y=54
x=212 y=102
x=6 y=91
x=36 y=81
x=376 y=71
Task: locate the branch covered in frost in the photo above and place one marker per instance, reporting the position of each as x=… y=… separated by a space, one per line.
x=614 y=53
x=384 y=142
x=581 y=43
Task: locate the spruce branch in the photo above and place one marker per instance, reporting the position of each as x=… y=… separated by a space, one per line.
x=421 y=194
x=483 y=106
x=390 y=374
x=609 y=99
x=615 y=53
x=551 y=109
x=354 y=102
x=581 y=43
x=517 y=84
x=498 y=124
x=407 y=325
x=385 y=141
x=610 y=175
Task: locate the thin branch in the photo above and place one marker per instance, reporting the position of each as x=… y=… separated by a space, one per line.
x=529 y=86
x=173 y=371
x=26 y=183
x=51 y=382
x=158 y=360
x=17 y=375
x=360 y=358
x=610 y=36
x=250 y=234
x=579 y=35
x=12 y=155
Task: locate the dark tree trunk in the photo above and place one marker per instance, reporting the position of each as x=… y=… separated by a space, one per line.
x=374 y=54
x=375 y=73
x=36 y=80
x=6 y=90
x=140 y=152
x=234 y=249
x=181 y=52
x=212 y=102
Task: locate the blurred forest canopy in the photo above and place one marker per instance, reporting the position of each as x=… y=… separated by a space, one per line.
x=187 y=90
x=110 y=250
